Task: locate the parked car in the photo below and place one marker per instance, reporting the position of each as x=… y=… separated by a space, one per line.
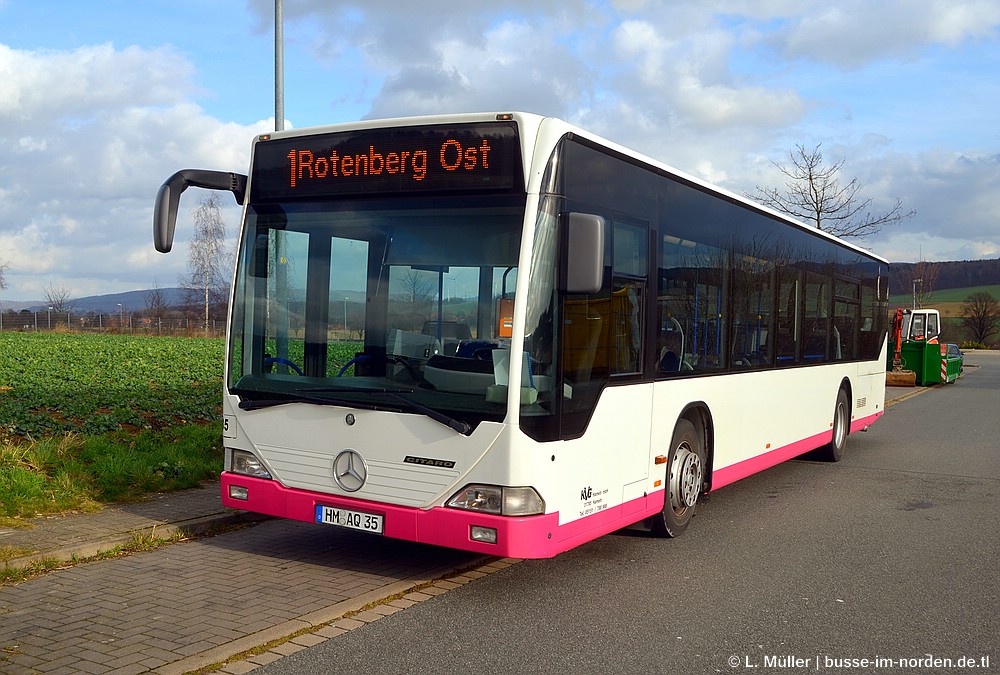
x=955 y=353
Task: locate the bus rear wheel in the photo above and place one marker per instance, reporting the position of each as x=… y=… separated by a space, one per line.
x=834 y=450
x=684 y=477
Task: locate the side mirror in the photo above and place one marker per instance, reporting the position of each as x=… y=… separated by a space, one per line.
x=169 y=196
x=584 y=253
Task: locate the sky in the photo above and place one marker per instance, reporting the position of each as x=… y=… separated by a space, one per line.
x=101 y=101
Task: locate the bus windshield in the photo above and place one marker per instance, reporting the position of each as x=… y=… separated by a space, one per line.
x=397 y=304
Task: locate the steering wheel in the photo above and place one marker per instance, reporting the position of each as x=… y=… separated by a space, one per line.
x=284 y=362
x=356 y=359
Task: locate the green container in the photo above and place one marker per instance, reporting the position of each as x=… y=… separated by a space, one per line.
x=925 y=361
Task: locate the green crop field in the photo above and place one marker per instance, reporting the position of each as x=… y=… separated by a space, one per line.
x=948 y=302
x=52 y=383
x=88 y=419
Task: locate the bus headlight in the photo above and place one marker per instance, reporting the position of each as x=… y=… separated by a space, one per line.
x=501 y=501
x=247 y=463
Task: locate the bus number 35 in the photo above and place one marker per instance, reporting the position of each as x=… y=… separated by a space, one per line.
x=361 y=521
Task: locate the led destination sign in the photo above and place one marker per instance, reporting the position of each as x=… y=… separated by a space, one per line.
x=377 y=161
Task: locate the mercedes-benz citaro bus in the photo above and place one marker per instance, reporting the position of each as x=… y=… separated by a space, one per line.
x=504 y=334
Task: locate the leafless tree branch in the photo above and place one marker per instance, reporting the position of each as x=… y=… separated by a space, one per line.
x=813 y=193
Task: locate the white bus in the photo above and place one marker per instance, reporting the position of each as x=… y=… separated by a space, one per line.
x=503 y=334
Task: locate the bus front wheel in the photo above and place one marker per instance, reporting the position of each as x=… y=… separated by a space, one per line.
x=685 y=475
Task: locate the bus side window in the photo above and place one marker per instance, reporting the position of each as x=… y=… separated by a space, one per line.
x=629 y=246
x=788 y=318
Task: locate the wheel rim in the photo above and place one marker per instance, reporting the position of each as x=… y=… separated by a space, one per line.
x=685 y=478
x=840 y=425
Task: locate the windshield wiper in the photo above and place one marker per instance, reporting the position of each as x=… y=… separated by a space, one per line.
x=256 y=404
x=354 y=390
x=304 y=396
x=314 y=395
x=458 y=425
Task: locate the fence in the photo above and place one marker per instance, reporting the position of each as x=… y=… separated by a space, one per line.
x=121 y=323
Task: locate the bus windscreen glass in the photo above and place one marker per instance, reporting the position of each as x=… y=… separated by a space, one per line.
x=411 y=160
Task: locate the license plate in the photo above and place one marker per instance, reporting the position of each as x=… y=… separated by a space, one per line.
x=355 y=520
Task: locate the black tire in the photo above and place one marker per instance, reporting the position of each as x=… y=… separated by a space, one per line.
x=685 y=475
x=834 y=450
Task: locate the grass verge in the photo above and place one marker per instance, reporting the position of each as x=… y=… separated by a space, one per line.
x=78 y=473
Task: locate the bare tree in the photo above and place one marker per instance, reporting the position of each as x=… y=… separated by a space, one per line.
x=417 y=286
x=58 y=299
x=924 y=280
x=205 y=282
x=156 y=301
x=981 y=316
x=814 y=193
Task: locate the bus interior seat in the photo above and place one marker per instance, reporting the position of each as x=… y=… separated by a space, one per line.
x=579 y=367
x=673 y=344
x=669 y=361
x=476 y=349
x=453 y=333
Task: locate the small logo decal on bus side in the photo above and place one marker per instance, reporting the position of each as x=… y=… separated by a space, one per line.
x=424 y=461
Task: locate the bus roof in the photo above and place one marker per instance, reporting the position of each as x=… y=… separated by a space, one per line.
x=540 y=133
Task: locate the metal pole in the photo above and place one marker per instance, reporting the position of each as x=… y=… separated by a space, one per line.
x=280 y=272
x=279 y=67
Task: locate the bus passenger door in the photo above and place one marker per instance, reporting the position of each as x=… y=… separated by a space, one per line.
x=630 y=346
x=604 y=347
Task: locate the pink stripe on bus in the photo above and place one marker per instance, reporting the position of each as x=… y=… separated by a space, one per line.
x=748 y=467
x=528 y=537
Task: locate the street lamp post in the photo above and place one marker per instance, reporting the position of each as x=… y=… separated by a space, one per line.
x=50 y=318
x=915 y=282
x=121 y=317
x=347 y=333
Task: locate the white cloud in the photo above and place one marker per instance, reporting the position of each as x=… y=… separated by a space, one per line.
x=87 y=134
x=854 y=32
x=86 y=138
x=71 y=88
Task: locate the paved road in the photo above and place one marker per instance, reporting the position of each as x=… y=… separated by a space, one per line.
x=891 y=554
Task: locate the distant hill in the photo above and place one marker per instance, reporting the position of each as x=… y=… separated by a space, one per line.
x=130 y=301
x=958 y=274
x=955 y=274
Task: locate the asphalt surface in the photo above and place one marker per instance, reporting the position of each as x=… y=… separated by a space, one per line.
x=276 y=588
x=882 y=563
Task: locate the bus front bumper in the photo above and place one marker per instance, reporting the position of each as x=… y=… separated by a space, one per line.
x=521 y=537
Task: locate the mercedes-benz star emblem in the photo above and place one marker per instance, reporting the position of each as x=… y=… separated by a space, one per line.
x=350 y=471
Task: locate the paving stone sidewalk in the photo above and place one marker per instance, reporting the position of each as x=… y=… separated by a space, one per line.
x=281 y=584
x=80 y=535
